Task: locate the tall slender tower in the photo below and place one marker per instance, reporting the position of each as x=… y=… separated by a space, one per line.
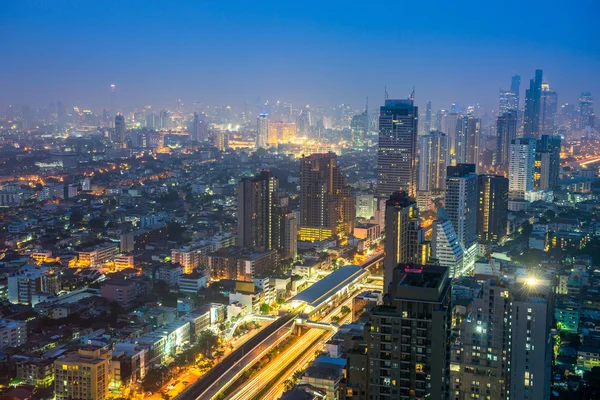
x=262 y=130
x=120 y=132
x=428 y=117
x=255 y=211
x=113 y=99
x=492 y=211
x=434 y=157
x=586 y=110
x=531 y=121
x=521 y=169
x=403 y=233
x=467 y=140
x=396 y=153
x=549 y=106
x=515 y=87
x=506 y=128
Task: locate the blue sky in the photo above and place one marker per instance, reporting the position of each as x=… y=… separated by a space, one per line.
x=306 y=52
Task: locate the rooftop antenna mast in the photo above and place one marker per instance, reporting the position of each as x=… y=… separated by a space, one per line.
x=386 y=93
x=412 y=95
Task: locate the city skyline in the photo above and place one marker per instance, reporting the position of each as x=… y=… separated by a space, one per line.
x=307 y=57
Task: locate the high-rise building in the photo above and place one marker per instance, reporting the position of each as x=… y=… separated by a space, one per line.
x=531 y=353
x=326 y=201
x=508 y=101
x=467 y=140
x=359 y=128
x=366 y=206
x=281 y=132
x=492 y=211
x=586 y=110
x=521 y=168
x=255 y=211
x=434 y=158
x=304 y=122
x=445 y=246
x=548 y=109
x=285 y=232
x=480 y=360
x=531 y=118
x=449 y=127
x=547 y=163
x=113 y=99
x=403 y=233
x=262 y=131
x=120 y=132
x=428 y=121
x=461 y=207
x=396 y=153
x=408 y=337
x=515 y=87
x=461 y=202
x=506 y=129
x=199 y=131
x=84 y=374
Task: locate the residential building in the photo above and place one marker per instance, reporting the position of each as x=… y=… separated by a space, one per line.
x=31 y=279
x=492 y=210
x=84 y=375
x=12 y=333
x=446 y=249
x=139 y=239
x=521 y=168
x=97 y=255
x=255 y=211
x=434 y=158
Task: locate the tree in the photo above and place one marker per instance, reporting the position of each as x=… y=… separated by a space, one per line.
x=154 y=378
x=345 y=310
x=175 y=231
x=207 y=342
x=265 y=308
x=76 y=217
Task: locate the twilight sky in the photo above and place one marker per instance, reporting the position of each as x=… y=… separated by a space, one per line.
x=317 y=52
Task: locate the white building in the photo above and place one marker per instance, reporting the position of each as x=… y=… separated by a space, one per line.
x=445 y=246
x=366 y=206
x=12 y=333
x=434 y=157
x=29 y=280
x=521 y=168
x=192 y=283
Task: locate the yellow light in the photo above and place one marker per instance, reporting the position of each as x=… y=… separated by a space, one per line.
x=532 y=282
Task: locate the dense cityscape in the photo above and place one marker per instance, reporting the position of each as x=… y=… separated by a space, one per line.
x=399 y=248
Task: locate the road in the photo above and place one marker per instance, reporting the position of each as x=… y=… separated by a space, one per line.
x=284 y=362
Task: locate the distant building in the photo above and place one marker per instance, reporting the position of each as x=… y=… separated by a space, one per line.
x=531 y=118
x=97 y=255
x=397 y=149
x=124 y=292
x=262 y=131
x=12 y=333
x=120 y=142
x=434 y=158
x=506 y=131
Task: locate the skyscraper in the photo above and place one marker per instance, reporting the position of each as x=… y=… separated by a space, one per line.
x=408 y=337
x=492 y=212
x=461 y=207
x=521 y=168
x=449 y=127
x=531 y=355
x=547 y=162
x=304 y=122
x=445 y=246
x=195 y=134
x=255 y=211
x=402 y=233
x=262 y=130
x=506 y=128
x=508 y=101
x=428 y=126
x=480 y=360
x=326 y=201
x=549 y=106
x=434 y=158
x=515 y=87
x=113 y=99
x=467 y=140
x=396 y=153
x=120 y=132
x=531 y=120
x=285 y=230
x=586 y=110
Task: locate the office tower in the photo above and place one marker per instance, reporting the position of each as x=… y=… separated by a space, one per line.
x=164 y=119
x=402 y=233
x=84 y=374
x=288 y=112
x=586 y=110
x=467 y=140
x=548 y=108
x=521 y=167
x=262 y=131
x=113 y=99
x=449 y=127
x=120 y=132
x=255 y=211
x=506 y=130
x=461 y=207
x=531 y=355
x=428 y=126
x=445 y=246
x=326 y=201
x=508 y=101
x=366 y=206
x=480 y=360
x=531 y=118
x=304 y=122
x=434 y=158
x=408 y=337
x=285 y=232
x=436 y=124
x=359 y=127
x=396 y=153
x=515 y=87
x=492 y=211
x=547 y=162
x=194 y=135
x=461 y=202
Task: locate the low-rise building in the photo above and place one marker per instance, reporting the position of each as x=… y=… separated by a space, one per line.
x=12 y=333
